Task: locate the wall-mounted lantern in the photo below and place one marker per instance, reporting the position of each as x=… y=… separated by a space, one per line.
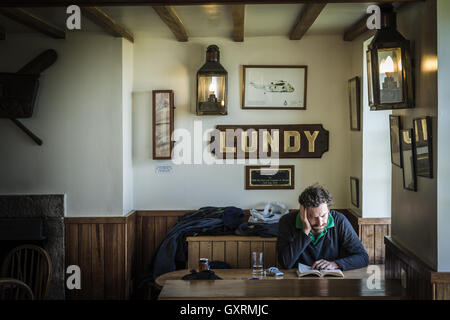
x=389 y=66
x=212 y=85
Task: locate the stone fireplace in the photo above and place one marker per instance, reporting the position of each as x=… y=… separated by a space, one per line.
x=49 y=209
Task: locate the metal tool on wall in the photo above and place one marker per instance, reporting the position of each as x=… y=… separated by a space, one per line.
x=18 y=90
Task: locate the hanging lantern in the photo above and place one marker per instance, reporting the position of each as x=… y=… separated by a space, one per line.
x=389 y=66
x=212 y=85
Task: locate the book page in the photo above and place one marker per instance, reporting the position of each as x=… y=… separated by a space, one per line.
x=304 y=270
x=336 y=273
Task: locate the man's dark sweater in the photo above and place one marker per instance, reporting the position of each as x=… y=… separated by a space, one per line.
x=339 y=244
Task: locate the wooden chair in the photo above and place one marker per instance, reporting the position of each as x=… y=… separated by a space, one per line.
x=32 y=265
x=13 y=289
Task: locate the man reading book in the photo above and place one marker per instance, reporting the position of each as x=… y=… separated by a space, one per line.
x=319 y=237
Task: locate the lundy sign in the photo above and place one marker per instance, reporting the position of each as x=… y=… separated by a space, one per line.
x=269 y=141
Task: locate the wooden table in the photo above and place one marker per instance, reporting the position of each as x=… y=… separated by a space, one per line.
x=245 y=274
x=305 y=289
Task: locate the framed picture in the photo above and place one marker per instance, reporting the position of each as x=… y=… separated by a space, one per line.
x=274 y=87
x=355 y=104
x=354 y=191
x=424 y=161
x=163 y=118
x=407 y=147
x=265 y=177
x=394 y=124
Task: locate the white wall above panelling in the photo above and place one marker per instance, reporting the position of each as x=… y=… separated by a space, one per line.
x=78 y=116
x=165 y=64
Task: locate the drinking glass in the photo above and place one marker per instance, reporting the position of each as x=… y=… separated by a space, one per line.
x=257 y=263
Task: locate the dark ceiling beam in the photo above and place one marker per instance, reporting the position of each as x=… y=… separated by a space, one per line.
x=360 y=27
x=171 y=19
x=23 y=17
x=238 y=13
x=66 y=3
x=305 y=20
x=102 y=19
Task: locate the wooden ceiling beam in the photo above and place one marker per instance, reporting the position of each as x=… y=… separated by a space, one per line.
x=238 y=13
x=66 y=3
x=103 y=20
x=23 y=17
x=305 y=20
x=171 y=19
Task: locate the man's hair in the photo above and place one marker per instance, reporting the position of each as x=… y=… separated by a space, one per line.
x=314 y=196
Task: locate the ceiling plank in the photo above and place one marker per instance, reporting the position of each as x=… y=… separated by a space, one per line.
x=65 y=3
x=238 y=13
x=171 y=19
x=360 y=27
x=102 y=19
x=23 y=17
x=357 y=29
x=305 y=20
x=2 y=33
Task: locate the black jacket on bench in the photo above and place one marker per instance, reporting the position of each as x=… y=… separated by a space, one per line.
x=340 y=244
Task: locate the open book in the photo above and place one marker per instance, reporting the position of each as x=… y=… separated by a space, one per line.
x=304 y=270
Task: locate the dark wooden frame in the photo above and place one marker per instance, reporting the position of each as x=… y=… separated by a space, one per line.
x=171 y=119
x=248 y=185
x=356 y=196
x=429 y=145
x=358 y=103
x=273 y=66
x=413 y=167
x=391 y=119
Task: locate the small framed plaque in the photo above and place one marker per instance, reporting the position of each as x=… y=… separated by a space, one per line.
x=266 y=177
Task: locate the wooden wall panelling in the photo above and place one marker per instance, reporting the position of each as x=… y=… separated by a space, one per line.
x=71 y=239
x=243 y=254
x=98 y=261
x=104 y=249
x=231 y=253
x=371 y=232
x=421 y=281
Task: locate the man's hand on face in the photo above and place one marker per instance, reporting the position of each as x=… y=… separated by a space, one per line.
x=324 y=265
x=305 y=223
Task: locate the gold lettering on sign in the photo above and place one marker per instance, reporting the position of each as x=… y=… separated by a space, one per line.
x=311 y=140
x=254 y=141
x=287 y=141
x=222 y=145
x=273 y=140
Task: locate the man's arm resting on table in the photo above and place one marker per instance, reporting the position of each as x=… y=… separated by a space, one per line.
x=357 y=256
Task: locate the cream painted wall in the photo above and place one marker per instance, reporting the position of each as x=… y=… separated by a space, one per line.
x=77 y=115
x=166 y=64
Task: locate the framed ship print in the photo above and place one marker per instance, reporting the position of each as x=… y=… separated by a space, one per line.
x=266 y=177
x=274 y=87
x=163 y=118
